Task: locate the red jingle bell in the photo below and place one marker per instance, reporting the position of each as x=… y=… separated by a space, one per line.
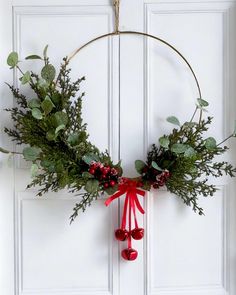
x=137 y=233
x=121 y=234
x=129 y=254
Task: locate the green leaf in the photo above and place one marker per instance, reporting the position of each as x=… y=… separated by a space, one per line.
x=50 y=135
x=164 y=142
x=173 y=120
x=210 y=143
x=88 y=158
x=190 y=124
x=36 y=113
x=43 y=84
x=91 y=186
x=31 y=153
x=111 y=190
x=47 y=105
x=60 y=127
x=73 y=139
x=34 y=103
x=48 y=165
x=202 y=102
x=48 y=73
x=33 y=56
x=45 y=51
x=139 y=165
x=155 y=166
x=179 y=148
x=4 y=151
x=190 y=152
x=56 y=98
x=60 y=118
x=34 y=169
x=25 y=78
x=87 y=175
x=12 y=59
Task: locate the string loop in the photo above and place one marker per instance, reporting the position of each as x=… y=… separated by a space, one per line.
x=116 y=4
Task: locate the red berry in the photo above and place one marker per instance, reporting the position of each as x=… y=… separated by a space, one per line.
x=112 y=183
x=108 y=169
x=106 y=185
x=155 y=185
x=92 y=171
x=145 y=169
x=114 y=171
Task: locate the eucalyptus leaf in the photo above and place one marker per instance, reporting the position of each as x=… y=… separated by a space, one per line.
x=155 y=166
x=51 y=135
x=59 y=128
x=25 y=78
x=33 y=56
x=88 y=158
x=34 y=169
x=91 y=186
x=34 y=103
x=12 y=59
x=173 y=120
x=190 y=152
x=111 y=190
x=202 y=102
x=190 y=124
x=45 y=51
x=164 y=142
x=179 y=148
x=210 y=143
x=49 y=165
x=47 y=105
x=60 y=118
x=73 y=139
x=48 y=73
x=36 y=113
x=139 y=165
x=31 y=153
x=56 y=98
x=87 y=175
x=43 y=84
x=2 y=150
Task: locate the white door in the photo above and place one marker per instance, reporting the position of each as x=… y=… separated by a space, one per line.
x=132 y=85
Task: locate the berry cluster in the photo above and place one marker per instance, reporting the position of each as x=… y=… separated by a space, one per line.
x=161 y=179
x=107 y=176
x=155 y=177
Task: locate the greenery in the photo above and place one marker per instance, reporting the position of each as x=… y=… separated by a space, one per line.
x=189 y=158
x=51 y=125
x=57 y=144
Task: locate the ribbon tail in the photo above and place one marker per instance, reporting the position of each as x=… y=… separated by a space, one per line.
x=132 y=198
x=123 y=224
x=114 y=196
x=139 y=207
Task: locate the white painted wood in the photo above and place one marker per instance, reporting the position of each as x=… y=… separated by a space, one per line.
x=132 y=85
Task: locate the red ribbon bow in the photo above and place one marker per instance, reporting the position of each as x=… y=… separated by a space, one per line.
x=130 y=188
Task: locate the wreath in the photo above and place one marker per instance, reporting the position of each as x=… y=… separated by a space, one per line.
x=62 y=156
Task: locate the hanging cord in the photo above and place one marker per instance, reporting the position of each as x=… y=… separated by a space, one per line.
x=116 y=4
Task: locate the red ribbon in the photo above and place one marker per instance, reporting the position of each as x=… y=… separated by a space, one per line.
x=130 y=188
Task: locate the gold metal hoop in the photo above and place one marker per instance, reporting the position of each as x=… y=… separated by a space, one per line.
x=146 y=35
